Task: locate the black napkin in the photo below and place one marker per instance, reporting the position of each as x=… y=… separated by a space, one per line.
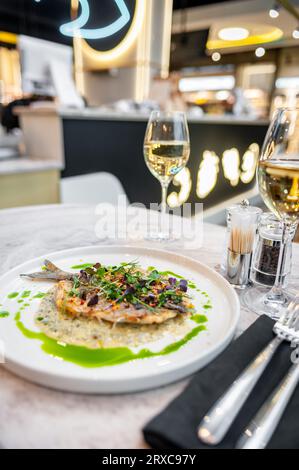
x=176 y=426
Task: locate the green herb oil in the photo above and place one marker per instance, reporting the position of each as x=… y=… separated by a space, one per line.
x=86 y=357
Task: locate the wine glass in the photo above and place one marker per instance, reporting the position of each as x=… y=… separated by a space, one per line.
x=278 y=180
x=166 y=152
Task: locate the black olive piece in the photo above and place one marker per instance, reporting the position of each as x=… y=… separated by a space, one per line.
x=129 y=290
x=83 y=295
x=93 y=300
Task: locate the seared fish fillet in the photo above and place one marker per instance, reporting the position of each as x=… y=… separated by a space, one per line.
x=79 y=296
x=103 y=310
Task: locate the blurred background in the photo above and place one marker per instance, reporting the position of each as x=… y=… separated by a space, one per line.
x=78 y=80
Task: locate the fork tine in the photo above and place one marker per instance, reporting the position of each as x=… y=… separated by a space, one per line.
x=296 y=318
x=294 y=313
x=287 y=316
x=290 y=313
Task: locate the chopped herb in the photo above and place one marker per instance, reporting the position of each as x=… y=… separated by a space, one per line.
x=76 y=282
x=4 y=314
x=154 y=275
x=26 y=294
x=101 y=272
x=39 y=295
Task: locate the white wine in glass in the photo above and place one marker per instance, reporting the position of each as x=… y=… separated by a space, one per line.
x=278 y=180
x=166 y=151
x=166 y=159
x=279 y=186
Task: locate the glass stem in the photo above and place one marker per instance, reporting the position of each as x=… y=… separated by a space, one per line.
x=164 y=221
x=276 y=294
x=164 y=198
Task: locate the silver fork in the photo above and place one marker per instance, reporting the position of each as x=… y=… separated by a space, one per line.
x=220 y=417
x=260 y=430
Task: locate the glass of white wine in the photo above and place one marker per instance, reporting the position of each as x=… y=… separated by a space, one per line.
x=166 y=152
x=278 y=180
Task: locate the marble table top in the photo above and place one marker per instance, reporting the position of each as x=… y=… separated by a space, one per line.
x=35 y=417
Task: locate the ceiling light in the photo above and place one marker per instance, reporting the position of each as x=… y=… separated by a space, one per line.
x=295 y=33
x=216 y=56
x=274 y=11
x=258 y=35
x=260 y=51
x=216 y=83
x=233 y=34
x=287 y=82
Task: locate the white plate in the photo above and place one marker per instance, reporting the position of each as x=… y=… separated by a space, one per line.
x=26 y=358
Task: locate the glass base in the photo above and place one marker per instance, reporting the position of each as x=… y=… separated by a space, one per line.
x=257 y=300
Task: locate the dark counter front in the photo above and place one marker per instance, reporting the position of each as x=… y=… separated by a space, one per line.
x=222 y=151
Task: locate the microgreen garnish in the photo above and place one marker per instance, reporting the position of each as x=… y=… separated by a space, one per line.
x=127 y=283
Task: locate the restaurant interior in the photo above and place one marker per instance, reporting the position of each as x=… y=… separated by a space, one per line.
x=105 y=104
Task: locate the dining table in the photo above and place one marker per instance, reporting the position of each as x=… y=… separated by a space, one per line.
x=32 y=416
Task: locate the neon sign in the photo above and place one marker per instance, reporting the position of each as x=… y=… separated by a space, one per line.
x=208 y=173
x=75 y=28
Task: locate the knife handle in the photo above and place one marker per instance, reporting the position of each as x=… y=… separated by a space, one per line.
x=220 y=417
x=260 y=430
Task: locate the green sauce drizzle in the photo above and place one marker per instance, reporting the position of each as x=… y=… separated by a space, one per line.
x=39 y=295
x=4 y=314
x=13 y=295
x=86 y=357
x=207 y=306
x=199 y=318
x=191 y=285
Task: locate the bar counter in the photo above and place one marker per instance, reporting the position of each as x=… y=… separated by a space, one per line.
x=37 y=182
x=93 y=140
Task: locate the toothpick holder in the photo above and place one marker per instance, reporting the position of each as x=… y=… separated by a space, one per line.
x=243 y=228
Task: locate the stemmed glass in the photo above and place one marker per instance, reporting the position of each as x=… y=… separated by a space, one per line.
x=166 y=152
x=278 y=180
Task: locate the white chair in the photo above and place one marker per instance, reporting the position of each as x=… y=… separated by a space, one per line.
x=91 y=189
